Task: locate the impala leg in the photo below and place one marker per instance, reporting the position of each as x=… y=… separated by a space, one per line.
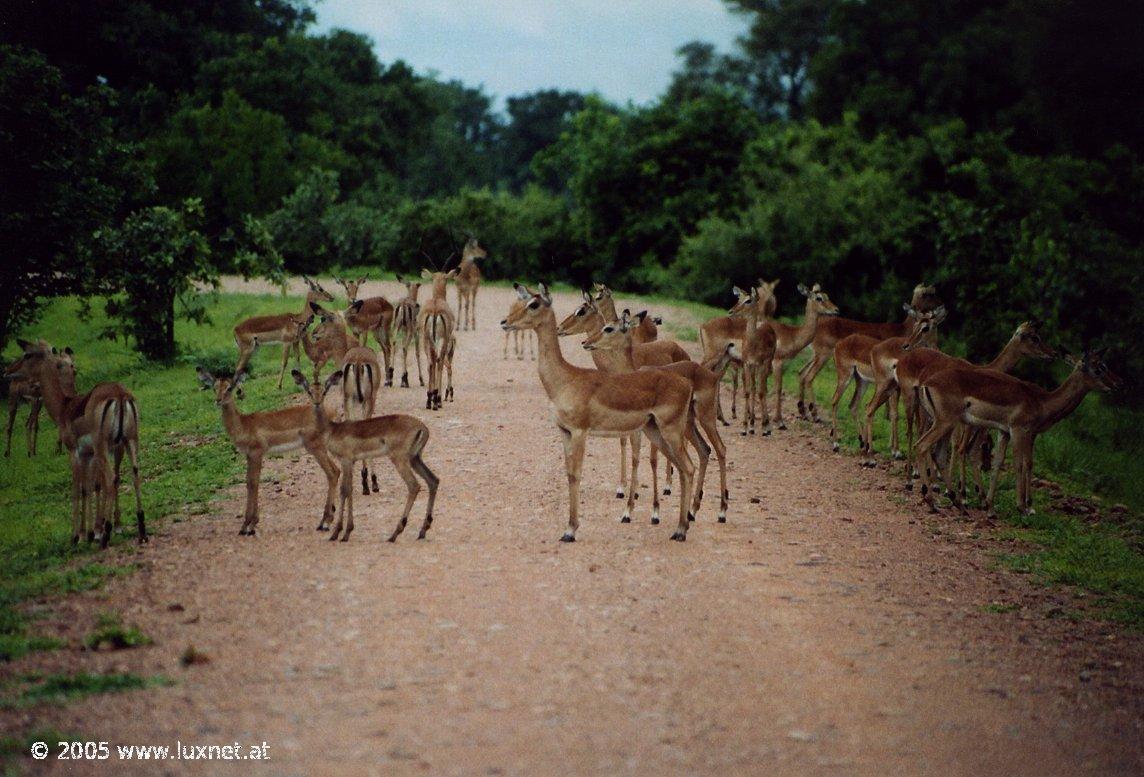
x=417 y=353
x=530 y=337
x=432 y=481
x=623 y=467
x=346 y=503
x=77 y=498
x=332 y=472
x=1023 y=456
x=670 y=441
x=860 y=385
x=115 y=483
x=449 y=379
x=633 y=483
x=933 y=435
x=764 y=373
x=703 y=450
x=412 y=486
x=285 y=360
x=806 y=382
x=882 y=392
x=13 y=405
x=253 y=474
x=843 y=380
x=735 y=390
x=33 y=438
x=507 y=335
x=998 y=461
x=777 y=369
x=573 y=464
x=667 y=486
x=136 y=482
x=653 y=458
x=709 y=423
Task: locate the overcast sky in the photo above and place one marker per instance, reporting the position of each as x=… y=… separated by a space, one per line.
x=624 y=49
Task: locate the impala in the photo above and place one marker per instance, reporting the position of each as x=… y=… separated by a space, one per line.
x=585 y=401
x=400 y=437
x=790 y=340
x=372 y=314
x=605 y=303
x=917 y=364
x=468 y=279
x=715 y=334
x=1019 y=410
x=102 y=422
x=27 y=390
x=405 y=329
x=519 y=338
x=758 y=355
x=361 y=379
x=867 y=360
x=834 y=329
x=270 y=432
x=588 y=319
x=329 y=341
x=285 y=328
x=436 y=326
x=616 y=339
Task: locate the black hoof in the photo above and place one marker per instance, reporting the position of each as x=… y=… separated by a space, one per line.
x=722 y=519
x=373 y=483
x=568 y=538
x=782 y=427
x=625 y=519
x=333 y=537
x=619 y=495
x=691 y=516
x=393 y=538
x=743 y=433
x=679 y=536
x=389 y=384
x=322 y=527
x=725 y=423
x=667 y=492
x=767 y=433
x=421 y=535
x=834 y=447
x=655 y=520
x=250 y=532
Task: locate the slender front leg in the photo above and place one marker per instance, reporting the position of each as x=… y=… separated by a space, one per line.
x=777 y=369
x=633 y=484
x=332 y=472
x=653 y=459
x=671 y=443
x=704 y=452
x=13 y=404
x=115 y=481
x=763 y=375
x=346 y=500
x=285 y=359
x=253 y=474
x=133 y=456
x=412 y=486
x=77 y=498
x=432 y=481
x=573 y=463
x=623 y=467
x=998 y=461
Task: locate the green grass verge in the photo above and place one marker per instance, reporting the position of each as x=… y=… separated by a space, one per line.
x=32 y=689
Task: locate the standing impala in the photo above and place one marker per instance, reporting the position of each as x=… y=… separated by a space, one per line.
x=790 y=340
x=468 y=281
x=372 y=314
x=102 y=422
x=285 y=328
x=589 y=319
x=605 y=303
x=400 y=437
x=715 y=334
x=917 y=364
x=256 y=435
x=519 y=338
x=437 y=327
x=1017 y=409
x=588 y=402
x=405 y=329
x=329 y=341
x=758 y=355
x=834 y=329
x=27 y=390
x=616 y=339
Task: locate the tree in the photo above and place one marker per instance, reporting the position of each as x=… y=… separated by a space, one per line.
x=158 y=259
x=535 y=122
x=66 y=175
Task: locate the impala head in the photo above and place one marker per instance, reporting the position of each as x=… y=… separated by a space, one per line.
x=924 y=298
x=819 y=299
x=351 y=286
x=925 y=323
x=613 y=336
x=40 y=356
x=226 y=389
x=767 y=291
x=744 y=300
x=1095 y=372
x=1029 y=342
x=412 y=288
x=317 y=293
x=472 y=250
x=581 y=321
x=316 y=393
x=529 y=315
x=439 y=278
x=602 y=291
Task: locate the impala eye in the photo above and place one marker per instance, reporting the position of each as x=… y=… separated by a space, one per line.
x=608 y=330
x=580 y=311
x=534 y=304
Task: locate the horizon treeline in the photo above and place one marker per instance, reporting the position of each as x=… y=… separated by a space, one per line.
x=991 y=148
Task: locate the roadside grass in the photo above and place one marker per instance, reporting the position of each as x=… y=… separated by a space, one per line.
x=111 y=633
x=185 y=458
x=32 y=689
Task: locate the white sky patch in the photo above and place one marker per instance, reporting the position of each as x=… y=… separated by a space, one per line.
x=624 y=49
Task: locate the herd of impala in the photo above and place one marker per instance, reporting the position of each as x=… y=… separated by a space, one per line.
x=641 y=386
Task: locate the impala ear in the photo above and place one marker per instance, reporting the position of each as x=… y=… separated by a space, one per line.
x=521 y=291
x=738 y=292
x=24 y=344
x=241 y=377
x=362 y=279
x=331 y=381
x=356 y=307
x=584 y=293
x=803 y=290
x=68 y=350
x=300 y=379
x=910 y=310
x=426 y=274
x=452 y=273
x=204 y=377
x=939 y=314
x=641 y=316
x=544 y=294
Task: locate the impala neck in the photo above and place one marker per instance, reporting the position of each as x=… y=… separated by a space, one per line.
x=53 y=392
x=1062 y=400
x=439 y=287
x=618 y=359
x=1007 y=359
x=550 y=360
x=805 y=332
x=231 y=418
x=607 y=309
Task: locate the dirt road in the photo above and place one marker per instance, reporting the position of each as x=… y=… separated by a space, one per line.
x=828 y=628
